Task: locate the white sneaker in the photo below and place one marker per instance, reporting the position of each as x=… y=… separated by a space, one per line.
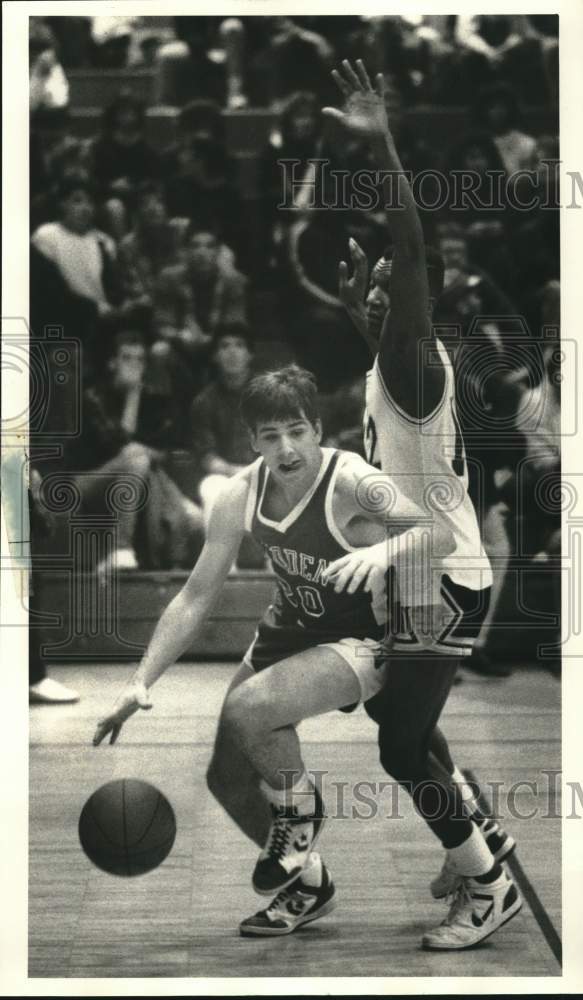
x=501 y=845
x=50 y=692
x=476 y=912
x=121 y=559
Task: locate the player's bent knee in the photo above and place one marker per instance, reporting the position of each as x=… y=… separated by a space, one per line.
x=399 y=759
x=245 y=711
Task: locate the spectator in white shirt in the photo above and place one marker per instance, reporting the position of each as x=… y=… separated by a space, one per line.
x=79 y=251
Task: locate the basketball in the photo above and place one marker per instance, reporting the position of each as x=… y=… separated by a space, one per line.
x=127 y=827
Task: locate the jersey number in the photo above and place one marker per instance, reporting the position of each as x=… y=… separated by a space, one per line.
x=309 y=598
x=370 y=442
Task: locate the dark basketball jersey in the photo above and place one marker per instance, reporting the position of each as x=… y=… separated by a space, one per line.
x=306 y=612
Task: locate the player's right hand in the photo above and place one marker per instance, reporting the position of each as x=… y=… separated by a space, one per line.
x=352 y=290
x=133 y=698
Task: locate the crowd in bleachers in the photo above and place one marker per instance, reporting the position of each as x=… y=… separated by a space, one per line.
x=178 y=279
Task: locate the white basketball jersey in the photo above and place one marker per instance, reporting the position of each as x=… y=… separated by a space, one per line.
x=426 y=458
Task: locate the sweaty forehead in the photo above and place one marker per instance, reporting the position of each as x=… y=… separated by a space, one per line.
x=381 y=273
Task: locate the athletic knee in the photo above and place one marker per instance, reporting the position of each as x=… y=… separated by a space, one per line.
x=402 y=758
x=245 y=711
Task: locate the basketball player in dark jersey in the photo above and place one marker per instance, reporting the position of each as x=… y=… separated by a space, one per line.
x=411 y=427
x=317 y=648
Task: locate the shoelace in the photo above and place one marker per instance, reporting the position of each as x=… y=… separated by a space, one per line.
x=281 y=897
x=457 y=899
x=280 y=836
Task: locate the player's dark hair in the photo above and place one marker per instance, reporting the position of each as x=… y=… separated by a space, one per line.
x=285 y=394
x=435 y=268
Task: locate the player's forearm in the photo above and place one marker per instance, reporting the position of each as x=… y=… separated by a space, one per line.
x=178 y=626
x=418 y=541
x=401 y=211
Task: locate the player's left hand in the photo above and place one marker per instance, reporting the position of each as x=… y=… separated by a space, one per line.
x=134 y=697
x=365 y=566
x=364 y=108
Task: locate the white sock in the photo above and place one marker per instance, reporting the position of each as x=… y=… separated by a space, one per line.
x=465 y=790
x=312 y=871
x=301 y=795
x=473 y=857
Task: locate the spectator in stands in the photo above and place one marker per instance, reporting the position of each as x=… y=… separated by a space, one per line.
x=194 y=298
x=48 y=86
x=319 y=330
x=293 y=58
x=342 y=415
x=80 y=260
x=298 y=138
x=199 y=174
x=128 y=428
x=220 y=438
x=154 y=243
x=42 y=689
x=522 y=512
x=112 y=38
x=477 y=251
x=206 y=60
x=57 y=162
x=122 y=157
x=496 y=111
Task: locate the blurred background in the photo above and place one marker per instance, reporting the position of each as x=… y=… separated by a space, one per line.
x=159 y=250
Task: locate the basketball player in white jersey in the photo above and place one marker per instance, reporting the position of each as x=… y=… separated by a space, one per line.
x=411 y=429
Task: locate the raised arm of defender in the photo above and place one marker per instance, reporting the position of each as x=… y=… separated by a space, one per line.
x=407 y=325
x=185 y=615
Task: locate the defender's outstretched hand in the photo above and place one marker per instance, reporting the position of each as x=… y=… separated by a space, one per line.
x=363 y=566
x=364 y=109
x=353 y=290
x=133 y=698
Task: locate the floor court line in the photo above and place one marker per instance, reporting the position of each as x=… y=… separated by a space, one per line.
x=547 y=928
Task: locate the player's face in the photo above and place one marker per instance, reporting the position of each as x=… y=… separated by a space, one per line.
x=377 y=305
x=291 y=448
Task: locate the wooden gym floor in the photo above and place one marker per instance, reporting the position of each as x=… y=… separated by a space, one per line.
x=182 y=919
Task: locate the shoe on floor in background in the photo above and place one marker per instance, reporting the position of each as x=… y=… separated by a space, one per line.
x=481 y=663
x=121 y=559
x=50 y=692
